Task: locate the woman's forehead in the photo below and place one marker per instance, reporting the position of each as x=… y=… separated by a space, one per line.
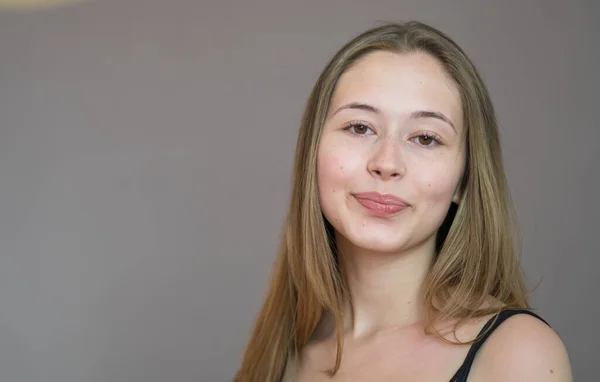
x=398 y=84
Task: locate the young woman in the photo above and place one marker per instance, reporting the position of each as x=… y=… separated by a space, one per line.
x=399 y=257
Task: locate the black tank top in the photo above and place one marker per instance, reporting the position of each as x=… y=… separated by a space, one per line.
x=463 y=372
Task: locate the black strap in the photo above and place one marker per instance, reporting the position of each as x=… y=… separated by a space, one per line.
x=463 y=372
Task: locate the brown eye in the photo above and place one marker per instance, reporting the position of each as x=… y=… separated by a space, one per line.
x=428 y=139
x=360 y=129
x=425 y=140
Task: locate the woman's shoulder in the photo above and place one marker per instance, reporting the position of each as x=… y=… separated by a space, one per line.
x=521 y=347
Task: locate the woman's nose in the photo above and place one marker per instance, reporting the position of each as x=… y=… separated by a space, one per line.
x=387 y=162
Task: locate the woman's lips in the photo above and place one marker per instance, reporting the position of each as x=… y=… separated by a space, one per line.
x=381 y=205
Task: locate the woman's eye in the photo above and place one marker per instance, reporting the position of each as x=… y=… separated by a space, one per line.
x=425 y=140
x=358 y=128
x=428 y=140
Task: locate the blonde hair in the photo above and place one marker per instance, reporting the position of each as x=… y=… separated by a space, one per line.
x=477 y=255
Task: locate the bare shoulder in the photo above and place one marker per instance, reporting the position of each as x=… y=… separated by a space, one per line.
x=522 y=348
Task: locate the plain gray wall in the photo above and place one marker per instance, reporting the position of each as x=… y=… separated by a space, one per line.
x=145 y=158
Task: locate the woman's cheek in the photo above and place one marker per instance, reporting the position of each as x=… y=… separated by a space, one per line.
x=438 y=186
x=330 y=174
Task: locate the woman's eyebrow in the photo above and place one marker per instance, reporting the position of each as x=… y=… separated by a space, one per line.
x=414 y=115
x=432 y=114
x=359 y=106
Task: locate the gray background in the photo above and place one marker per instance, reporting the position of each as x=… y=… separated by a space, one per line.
x=145 y=157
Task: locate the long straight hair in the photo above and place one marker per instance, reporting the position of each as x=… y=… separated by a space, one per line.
x=477 y=245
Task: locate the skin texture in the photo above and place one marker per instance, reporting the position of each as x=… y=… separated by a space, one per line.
x=391 y=155
x=384 y=147
x=389 y=151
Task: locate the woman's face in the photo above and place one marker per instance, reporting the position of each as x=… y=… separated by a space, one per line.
x=393 y=128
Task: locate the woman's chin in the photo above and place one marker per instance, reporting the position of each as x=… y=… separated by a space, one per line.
x=377 y=245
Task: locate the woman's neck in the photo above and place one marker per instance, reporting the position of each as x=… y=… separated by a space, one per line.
x=386 y=289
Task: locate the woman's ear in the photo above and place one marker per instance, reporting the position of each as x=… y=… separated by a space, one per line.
x=458 y=192
x=457 y=197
